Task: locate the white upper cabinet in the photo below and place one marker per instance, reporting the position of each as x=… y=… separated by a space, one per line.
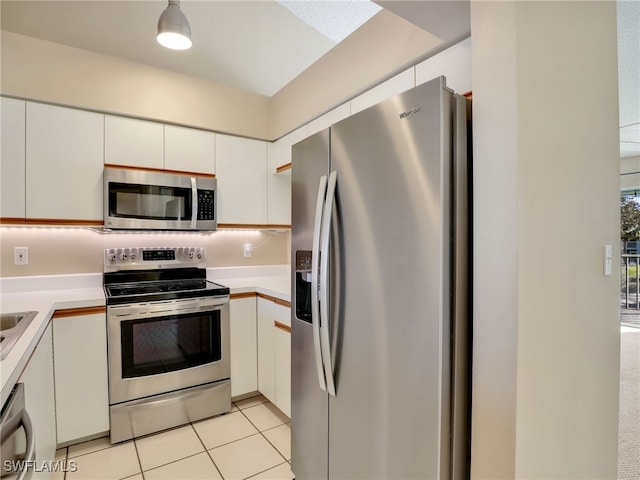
x=64 y=162
x=132 y=142
x=189 y=150
x=12 y=200
x=241 y=170
x=279 y=183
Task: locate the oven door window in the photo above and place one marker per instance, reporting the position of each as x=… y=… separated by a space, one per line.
x=166 y=344
x=151 y=202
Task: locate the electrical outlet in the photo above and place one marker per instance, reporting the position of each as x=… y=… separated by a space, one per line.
x=20 y=256
x=248 y=248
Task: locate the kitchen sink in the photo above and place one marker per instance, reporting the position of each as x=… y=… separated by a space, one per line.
x=12 y=326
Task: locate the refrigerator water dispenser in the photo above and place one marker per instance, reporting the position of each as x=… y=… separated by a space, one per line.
x=303 y=285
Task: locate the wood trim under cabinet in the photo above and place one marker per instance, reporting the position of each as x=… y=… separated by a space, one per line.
x=79 y=312
x=13 y=221
x=279 y=301
x=282 y=326
x=283 y=168
x=254 y=226
x=60 y=222
x=235 y=296
x=160 y=170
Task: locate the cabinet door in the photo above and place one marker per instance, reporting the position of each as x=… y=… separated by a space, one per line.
x=283 y=370
x=241 y=170
x=282 y=346
x=39 y=400
x=244 y=361
x=12 y=175
x=64 y=162
x=189 y=150
x=82 y=396
x=132 y=142
x=279 y=184
x=266 y=351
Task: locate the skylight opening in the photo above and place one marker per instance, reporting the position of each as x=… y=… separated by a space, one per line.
x=335 y=19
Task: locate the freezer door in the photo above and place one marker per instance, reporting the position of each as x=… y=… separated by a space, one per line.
x=391 y=259
x=309 y=403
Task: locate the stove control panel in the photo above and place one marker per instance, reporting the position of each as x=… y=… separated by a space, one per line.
x=133 y=258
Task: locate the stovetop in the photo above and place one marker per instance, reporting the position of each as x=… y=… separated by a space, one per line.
x=134 y=275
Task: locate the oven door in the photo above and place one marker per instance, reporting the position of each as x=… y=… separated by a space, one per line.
x=159 y=347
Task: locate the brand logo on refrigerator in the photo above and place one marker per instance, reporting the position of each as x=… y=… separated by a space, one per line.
x=407 y=115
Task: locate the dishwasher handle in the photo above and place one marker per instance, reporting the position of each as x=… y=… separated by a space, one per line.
x=10 y=427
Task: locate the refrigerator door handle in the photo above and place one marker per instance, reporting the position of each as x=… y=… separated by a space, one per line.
x=324 y=284
x=315 y=255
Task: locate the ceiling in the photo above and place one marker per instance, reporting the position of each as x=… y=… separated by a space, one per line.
x=260 y=46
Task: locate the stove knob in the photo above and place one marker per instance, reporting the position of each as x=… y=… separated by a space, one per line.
x=133 y=256
x=190 y=255
x=124 y=256
x=112 y=257
x=199 y=255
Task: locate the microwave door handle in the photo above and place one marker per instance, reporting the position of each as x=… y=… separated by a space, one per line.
x=324 y=283
x=315 y=255
x=194 y=202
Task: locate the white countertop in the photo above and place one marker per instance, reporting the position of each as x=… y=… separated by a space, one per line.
x=45 y=294
x=271 y=280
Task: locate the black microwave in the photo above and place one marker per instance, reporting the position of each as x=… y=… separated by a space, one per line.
x=138 y=199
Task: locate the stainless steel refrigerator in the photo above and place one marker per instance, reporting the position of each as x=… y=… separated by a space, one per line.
x=380 y=311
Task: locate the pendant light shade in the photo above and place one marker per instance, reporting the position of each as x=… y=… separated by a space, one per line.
x=173 y=28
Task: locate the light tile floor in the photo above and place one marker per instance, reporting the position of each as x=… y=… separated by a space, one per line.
x=252 y=441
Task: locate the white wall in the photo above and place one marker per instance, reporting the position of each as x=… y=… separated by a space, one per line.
x=50 y=72
x=546 y=326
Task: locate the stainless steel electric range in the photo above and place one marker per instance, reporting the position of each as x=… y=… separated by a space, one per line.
x=168 y=340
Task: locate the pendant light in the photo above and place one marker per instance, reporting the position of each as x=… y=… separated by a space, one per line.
x=173 y=28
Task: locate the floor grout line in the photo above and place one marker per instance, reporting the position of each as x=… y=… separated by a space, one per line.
x=135 y=445
x=207 y=451
x=263 y=436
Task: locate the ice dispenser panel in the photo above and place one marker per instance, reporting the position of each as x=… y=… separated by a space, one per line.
x=303 y=285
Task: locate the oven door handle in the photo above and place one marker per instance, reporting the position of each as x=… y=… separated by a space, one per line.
x=128 y=312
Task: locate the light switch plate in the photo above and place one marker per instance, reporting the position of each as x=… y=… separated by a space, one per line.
x=608 y=260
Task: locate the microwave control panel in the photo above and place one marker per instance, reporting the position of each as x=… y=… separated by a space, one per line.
x=206 y=199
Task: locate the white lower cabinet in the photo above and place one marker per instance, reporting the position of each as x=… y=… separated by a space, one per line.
x=81 y=382
x=266 y=349
x=40 y=402
x=282 y=343
x=244 y=358
x=274 y=353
